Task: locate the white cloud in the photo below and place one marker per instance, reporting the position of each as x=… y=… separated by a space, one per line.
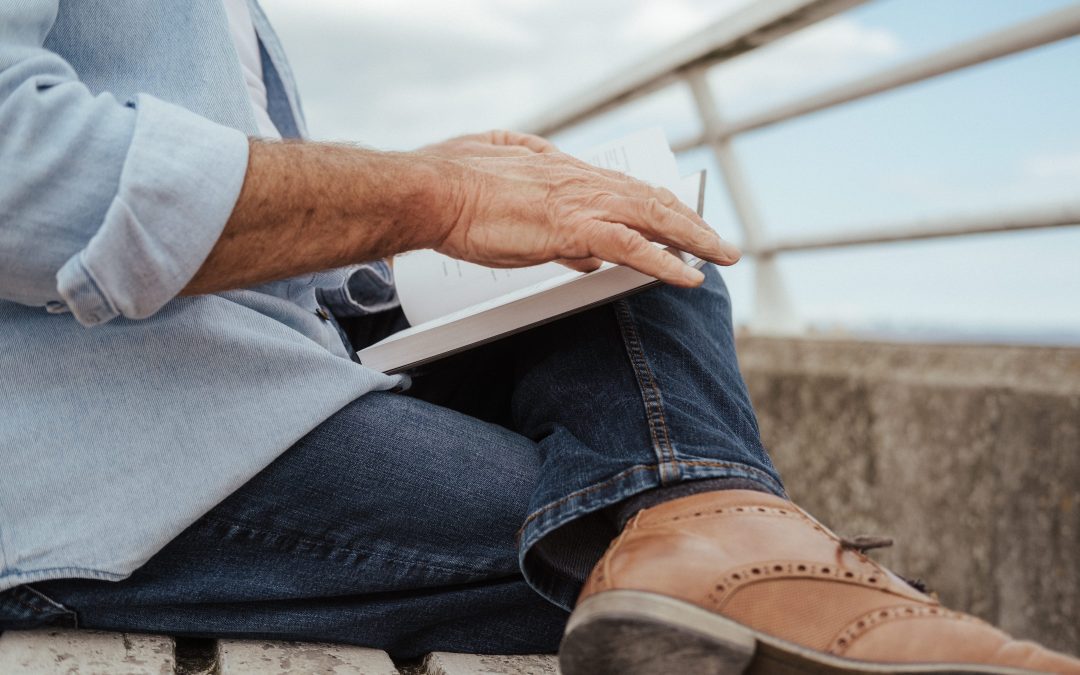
x=823 y=54
x=396 y=75
x=479 y=20
x=656 y=23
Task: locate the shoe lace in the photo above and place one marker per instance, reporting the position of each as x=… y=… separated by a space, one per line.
x=864 y=543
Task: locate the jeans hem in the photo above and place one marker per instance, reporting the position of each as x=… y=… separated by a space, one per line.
x=562 y=590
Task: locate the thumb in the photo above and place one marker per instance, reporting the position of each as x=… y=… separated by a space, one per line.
x=581 y=264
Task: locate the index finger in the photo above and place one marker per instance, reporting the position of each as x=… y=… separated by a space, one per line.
x=627 y=185
x=669 y=227
x=667 y=198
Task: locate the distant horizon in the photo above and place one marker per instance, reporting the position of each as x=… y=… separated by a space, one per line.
x=1021 y=337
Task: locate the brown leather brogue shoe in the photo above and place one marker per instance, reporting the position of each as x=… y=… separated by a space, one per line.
x=734 y=581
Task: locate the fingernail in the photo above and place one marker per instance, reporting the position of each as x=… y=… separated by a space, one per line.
x=730 y=250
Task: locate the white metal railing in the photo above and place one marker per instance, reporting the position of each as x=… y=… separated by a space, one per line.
x=760 y=24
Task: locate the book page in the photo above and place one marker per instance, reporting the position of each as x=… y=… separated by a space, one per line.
x=431 y=285
x=645 y=155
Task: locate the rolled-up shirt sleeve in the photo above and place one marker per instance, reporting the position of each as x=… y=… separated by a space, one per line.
x=106 y=208
x=360 y=289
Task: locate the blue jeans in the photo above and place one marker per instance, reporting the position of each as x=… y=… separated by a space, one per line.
x=462 y=515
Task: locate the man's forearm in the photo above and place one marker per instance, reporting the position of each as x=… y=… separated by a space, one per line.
x=306 y=207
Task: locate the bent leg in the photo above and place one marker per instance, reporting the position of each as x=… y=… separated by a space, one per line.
x=391 y=525
x=630 y=396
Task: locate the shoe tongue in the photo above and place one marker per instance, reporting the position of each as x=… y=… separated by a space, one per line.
x=907 y=586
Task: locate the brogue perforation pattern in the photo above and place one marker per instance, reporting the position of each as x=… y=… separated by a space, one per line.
x=745 y=510
x=725 y=586
x=870 y=620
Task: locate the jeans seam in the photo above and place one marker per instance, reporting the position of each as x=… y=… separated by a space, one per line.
x=65 y=611
x=757 y=474
x=33 y=608
x=46 y=598
x=337 y=546
x=650 y=394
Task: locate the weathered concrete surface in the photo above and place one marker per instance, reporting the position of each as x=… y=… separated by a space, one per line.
x=69 y=652
x=445 y=663
x=968 y=455
x=236 y=657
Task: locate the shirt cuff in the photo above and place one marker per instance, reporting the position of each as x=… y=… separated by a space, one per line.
x=180 y=181
x=361 y=289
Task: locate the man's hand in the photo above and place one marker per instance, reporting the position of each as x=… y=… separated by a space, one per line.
x=495 y=143
x=530 y=208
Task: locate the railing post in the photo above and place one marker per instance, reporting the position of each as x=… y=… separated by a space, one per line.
x=773 y=310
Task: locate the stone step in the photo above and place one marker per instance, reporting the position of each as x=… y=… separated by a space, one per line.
x=445 y=663
x=85 y=652
x=245 y=657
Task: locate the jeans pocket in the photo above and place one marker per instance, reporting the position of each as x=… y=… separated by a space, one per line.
x=26 y=607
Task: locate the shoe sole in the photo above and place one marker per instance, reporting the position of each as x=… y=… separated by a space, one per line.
x=638 y=633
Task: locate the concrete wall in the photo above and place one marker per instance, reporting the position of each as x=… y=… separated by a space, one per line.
x=969 y=456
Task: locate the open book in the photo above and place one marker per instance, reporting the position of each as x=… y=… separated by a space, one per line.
x=454 y=305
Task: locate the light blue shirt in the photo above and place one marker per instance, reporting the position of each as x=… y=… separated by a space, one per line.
x=125 y=411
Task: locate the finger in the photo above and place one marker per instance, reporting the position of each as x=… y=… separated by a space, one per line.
x=668 y=199
x=530 y=141
x=506 y=151
x=670 y=227
x=581 y=264
x=641 y=190
x=623 y=184
x=624 y=246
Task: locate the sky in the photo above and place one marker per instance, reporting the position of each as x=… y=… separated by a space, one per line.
x=395 y=75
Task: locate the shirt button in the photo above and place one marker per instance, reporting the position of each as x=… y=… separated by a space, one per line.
x=321 y=313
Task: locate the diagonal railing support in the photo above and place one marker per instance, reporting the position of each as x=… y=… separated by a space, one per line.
x=773 y=309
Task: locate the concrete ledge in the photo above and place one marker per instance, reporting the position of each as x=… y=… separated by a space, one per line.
x=444 y=663
x=243 y=657
x=968 y=455
x=85 y=652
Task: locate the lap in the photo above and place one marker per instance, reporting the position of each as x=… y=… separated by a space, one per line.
x=436 y=493
x=394 y=510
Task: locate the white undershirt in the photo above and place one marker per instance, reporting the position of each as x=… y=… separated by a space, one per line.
x=247 y=47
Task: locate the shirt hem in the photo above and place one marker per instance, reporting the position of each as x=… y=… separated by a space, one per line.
x=10 y=580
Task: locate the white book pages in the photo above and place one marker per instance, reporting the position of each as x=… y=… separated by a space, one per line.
x=499 y=317
x=430 y=284
x=644 y=154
